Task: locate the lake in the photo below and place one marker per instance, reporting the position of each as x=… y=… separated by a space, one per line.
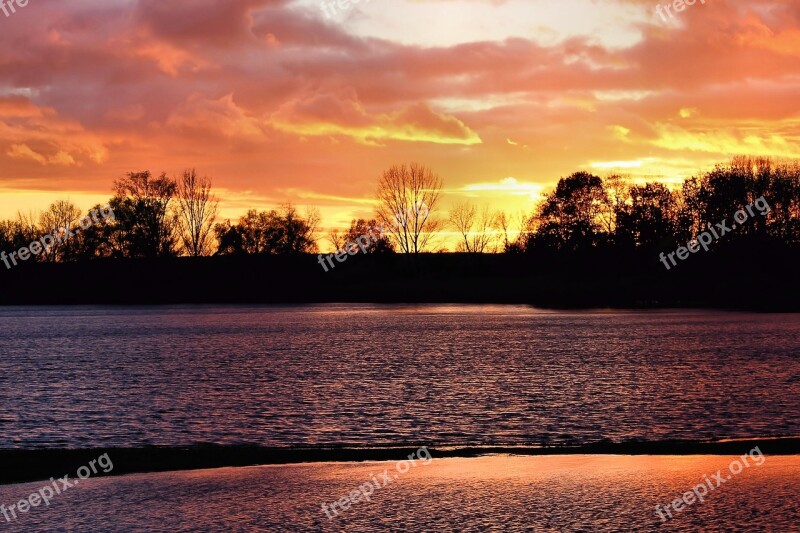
x=361 y=375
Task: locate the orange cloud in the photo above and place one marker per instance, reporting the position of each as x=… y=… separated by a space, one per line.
x=57 y=141
x=328 y=114
x=277 y=103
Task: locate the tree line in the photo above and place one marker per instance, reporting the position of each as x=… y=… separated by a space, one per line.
x=585 y=211
x=159 y=216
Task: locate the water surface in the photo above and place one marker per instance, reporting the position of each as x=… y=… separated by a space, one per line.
x=391 y=374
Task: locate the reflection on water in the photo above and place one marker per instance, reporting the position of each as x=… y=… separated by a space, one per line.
x=546 y=493
x=371 y=374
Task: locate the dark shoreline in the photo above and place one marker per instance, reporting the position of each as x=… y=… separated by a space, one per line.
x=20 y=466
x=755 y=278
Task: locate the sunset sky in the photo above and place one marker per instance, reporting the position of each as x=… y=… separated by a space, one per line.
x=279 y=102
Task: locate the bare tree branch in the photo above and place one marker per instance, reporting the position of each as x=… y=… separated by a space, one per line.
x=197 y=211
x=407 y=197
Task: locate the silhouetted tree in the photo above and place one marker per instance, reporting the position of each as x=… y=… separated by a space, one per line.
x=582 y=211
x=516 y=231
x=784 y=197
x=7 y=231
x=361 y=227
x=407 y=197
x=336 y=238
x=141 y=205
x=60 y=218
x=196 y=213
x=298 y=233
x=723 y=191
x=570 y=217
x=717 y=195
x=650 y=218
x=102 y=239
x=282 y=232
x=229 y=238
x=19 y=233
x=689 y=210
x=476 y=228
x=618 y=191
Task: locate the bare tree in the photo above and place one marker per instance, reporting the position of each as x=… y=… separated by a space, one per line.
x=476 y=228
x=462 y=218
x=521 y=226
x=26 y=229
x=336 y=238
x=59 y=216
x=197 y=211
x=27 y=223
x=313 y=220
x=407 y=197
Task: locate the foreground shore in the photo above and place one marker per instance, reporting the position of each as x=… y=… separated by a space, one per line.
x=567 y=493
x=31 y=465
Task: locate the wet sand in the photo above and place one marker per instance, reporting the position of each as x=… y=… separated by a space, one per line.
x=30 y=465
x=490 y=493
